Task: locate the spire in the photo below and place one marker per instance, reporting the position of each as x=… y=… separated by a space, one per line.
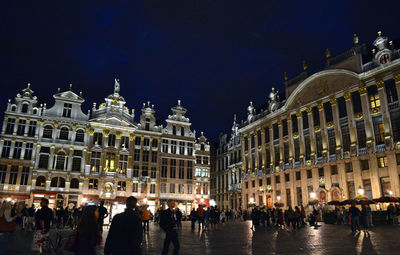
x=285 y=76
x=304 y=65
x=355 y=39
x=327 y=53
x=116 y=86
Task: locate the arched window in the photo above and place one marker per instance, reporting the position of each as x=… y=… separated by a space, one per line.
x=40 y=181
x=57 y=182
x=80 y=135
x=64 y=132
x=47 y=131
x=74 y=183
x=24 y=108
x=13 y=108
x=60 y=163
x=182 y=131
x=34 y=111
x=121 y=186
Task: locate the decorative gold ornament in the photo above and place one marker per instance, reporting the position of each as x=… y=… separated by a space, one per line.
x=332 y=101
x=362 y=90
x=347 y=95
x=309 y=110
x=380 y=84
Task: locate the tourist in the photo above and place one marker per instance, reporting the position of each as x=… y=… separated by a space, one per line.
x=178 y=218
x=87 y=233
x=369 y=213
x=31 y=217
x=146 y=218
x=200 y=216
x=5 y=214
x=193 y=217
x=103 y=213
x=125 y=234
x=297 y=218
x=43 y=218
x=25 y=216
x=355 y=218
x=263 y=216
x=207 y=218
x=168 y=224
x=364 y=218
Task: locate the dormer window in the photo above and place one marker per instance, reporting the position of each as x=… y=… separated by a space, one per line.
x=385 y=58
x=174 y=130
x=67 y=110
x=182 y=131
x=24 y=108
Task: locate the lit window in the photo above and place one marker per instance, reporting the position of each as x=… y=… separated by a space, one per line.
x=382 y=162
x=374 y=101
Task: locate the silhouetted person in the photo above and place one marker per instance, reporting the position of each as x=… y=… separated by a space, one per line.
x=168 y=224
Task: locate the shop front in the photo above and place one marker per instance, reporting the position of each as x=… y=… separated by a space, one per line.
x=185 y=206
x=15 y=198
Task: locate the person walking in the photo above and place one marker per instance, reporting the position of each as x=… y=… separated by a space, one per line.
x=145 y=218
x=193 y=216
x=87 y=232
x=5 y=214
x=364 y=218
x=118 y=241
x=200 y=216
x=31 y=217
x=178 y=218
x=103 y=213
x=355 y=218
x=168 y=224
x=43 y=218
x=25 y=217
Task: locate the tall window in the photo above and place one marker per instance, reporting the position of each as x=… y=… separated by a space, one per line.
x=284 y=127
x=382 y=162
x=304 y=116
x=154 y=156
x=123 y=164
x=64 y=133
x=98 y=138
x=345 y=137
x=138 y=140
x=21 y=127
x=182 y=148
x=67 y=110
x=10 y=126
x=79 y=136
x=153 y=173
x=146 y=142
x=125 y=142
x=172 y=188
x=111 y=140
x=328 y=112
x=145 y=156
x=17 y=150
x=190 y=170
x=13 y=175
x=182 y=131
x=32 y=128
x=163 y=188
x=95 y=162
x=121 y=186
x=374 y=101
x=60 y=162
x=136 y=155
x=341 y=102
x=110 y=162
x=296 y=150
x=165 y=146
x=76 y=161
x=356 y=100
x=307 y=145
x=181 y=169
x=173 y=147
x=164 y=167
x=285 y=152
x=152 y=188
x=3 y=173
x=315 y=114
x=331 y=141
x=276 y=131
x=173 y=168
x=41 y=181
x=378 y=130
x=145 y=171
x=44 y=157
x=295 y=127
x=361 y=136
x=24 y=176
x=135 y=187
x=24 y=108
x=48 y=131
x=174 y=130
x=318 y=141
x=74 y=183
x=57 y=182
x=93 y=183
x=181 y=188
x=198 y=172
x=135 y=170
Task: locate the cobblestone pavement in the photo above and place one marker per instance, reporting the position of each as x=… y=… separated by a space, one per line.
x=237 y=238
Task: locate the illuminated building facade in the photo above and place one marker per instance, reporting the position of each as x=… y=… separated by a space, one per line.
x=336 y=132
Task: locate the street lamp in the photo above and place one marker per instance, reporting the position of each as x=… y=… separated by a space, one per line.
x=252 y=200
x=313 y=195
x=390 y=192
x=278 y=198
x=145 y=200
x=84 y=200
x=360 y=190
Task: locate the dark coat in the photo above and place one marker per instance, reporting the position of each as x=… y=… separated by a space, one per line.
x=167 y=220
x=125 y=234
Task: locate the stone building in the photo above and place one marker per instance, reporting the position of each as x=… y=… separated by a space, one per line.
x=336 y=133
x=226 y=172
x=72 y=158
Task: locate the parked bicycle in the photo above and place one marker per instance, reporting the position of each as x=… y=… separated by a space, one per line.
x=47 y=246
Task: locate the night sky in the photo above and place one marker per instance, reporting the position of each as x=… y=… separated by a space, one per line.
x=215 y=56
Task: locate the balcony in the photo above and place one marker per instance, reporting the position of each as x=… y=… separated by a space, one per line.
x=393 y=106
x=286 y=166
x=297 y=164
x=320 y=160
x=380 y=148
x=332 y=157
x=235 y=187
x=362 y=151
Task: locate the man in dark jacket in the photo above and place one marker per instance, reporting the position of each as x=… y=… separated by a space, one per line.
x=168 y=224
x=125 y=234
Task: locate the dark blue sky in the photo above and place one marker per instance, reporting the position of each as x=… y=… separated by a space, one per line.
x=215 y=56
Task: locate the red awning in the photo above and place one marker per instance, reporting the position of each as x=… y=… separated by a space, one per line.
x=205 y=202
x=14 y=197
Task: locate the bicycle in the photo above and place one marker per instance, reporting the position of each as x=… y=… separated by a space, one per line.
x=46 y=245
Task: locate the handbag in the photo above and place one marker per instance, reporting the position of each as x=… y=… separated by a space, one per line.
x=72 y=242
x=7 y=226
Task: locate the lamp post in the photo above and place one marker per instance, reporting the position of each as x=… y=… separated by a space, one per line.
x=390 y=192
x=313 y=195
x=278 y=198
x=360 y=191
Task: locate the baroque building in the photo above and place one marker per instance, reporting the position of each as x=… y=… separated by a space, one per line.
x=71 y=157
x=226 y=171
x=335 y=134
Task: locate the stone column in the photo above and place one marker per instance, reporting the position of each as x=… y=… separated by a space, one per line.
x=342 y=179
x=283 y=189
x=251 y=167
x=68 y=159
x=397 y=81
x=367 y=119
x=4 y=124
x=301 y=137
x=12 y=149
x=393 y=173
x=26 y=127
x=105 y=138
x=243 y=154
x=51 y=158
x=264 y=158
x=36 y=154
x=352 y=125
x=1 y=146
x=15 y=126
x=22 y=150
x=256 y=166
x=304 y=187
x=374 y=176
x=328 y=181
x=312 y=135
x=281 y=154
x=290 y=140
x=385 y=114
x=84 y=160
x=336 y=126
x=322 y=122
x=271 y=147
x=357 y=175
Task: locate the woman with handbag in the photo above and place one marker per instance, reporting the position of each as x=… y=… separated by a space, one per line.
x=7 y=224
x=87 y=232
